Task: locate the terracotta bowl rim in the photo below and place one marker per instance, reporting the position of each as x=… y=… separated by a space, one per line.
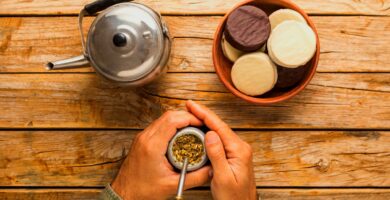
x=285 y=96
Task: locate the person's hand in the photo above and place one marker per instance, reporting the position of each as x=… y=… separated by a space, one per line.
x=230 y=157
x=146 y=173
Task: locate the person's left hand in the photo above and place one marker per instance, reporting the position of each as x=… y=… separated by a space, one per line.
x=146 y=173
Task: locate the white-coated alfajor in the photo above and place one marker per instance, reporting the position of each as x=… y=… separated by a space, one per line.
x=282 y=15
x=254 y=74
x=229 y=51
x=292 y=44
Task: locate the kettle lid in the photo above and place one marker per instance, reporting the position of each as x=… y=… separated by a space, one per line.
x=126 y=42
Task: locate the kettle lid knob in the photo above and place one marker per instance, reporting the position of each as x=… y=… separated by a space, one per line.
x=119 y=40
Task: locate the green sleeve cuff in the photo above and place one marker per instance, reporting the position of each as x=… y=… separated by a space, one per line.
x=109 y=194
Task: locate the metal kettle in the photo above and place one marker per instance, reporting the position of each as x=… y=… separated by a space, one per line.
x=127 y=43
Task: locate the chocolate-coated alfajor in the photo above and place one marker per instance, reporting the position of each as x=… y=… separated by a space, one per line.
x=247 y=28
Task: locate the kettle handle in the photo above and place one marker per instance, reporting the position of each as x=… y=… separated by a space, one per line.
x=100 y=5
x=91 y=9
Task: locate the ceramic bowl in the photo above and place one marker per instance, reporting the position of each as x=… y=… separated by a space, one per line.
x=187 y=131
x=223 y=66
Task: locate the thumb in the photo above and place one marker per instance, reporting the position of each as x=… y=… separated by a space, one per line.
x=197 y=178
x=216 y=153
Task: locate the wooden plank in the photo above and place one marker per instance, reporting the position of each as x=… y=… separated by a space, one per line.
x=325 y=194
x=332 y=101
x=49 y=194
x=349 y=44
x=281 y=158
x=70 y=158
x=195 y=7
x=264 y=194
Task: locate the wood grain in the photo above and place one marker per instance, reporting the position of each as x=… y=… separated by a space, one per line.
x=49 y=194
x=324 y=194
x=271 y=194
x=32 y=99
x=332 y=101
x=349 y=44
x=281 y=158
x=196 y=7
x=70 y=158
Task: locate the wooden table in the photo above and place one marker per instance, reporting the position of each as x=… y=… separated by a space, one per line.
x=64 y=133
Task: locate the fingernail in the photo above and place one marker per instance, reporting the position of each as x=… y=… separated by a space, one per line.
x=191 y=103
x=212 y=138
x=194 y=103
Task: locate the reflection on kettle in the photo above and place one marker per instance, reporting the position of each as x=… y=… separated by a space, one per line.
x=127 y=43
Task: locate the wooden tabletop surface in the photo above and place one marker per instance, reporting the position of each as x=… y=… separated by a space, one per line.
x=63 y=134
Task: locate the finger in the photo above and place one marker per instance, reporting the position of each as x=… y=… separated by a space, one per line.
x=197 y=178
x=215 y=123
x=171 y=121
x=170 y=115
x=216 y=153
x=168 y=124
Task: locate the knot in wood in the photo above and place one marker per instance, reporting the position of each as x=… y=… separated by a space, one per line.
x=322 y=165
x=184 y=64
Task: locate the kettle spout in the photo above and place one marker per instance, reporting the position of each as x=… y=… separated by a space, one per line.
x=75 y=62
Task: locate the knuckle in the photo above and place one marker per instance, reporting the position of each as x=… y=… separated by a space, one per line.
x=168 y=114
x=138 y=139
x=222 y=126
x=171 y=119
x=141 y=137
x=148 y=149
x=213 y=147
x=218 y=155
x=147 y=153
x=172 y=116
x=235 y=147
x=145 y=146
x=248 y=151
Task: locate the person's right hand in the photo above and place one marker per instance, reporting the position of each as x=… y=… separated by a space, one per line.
x=230 y=157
